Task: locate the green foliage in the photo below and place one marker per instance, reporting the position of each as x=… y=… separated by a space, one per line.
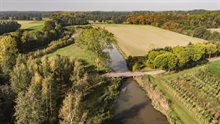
x=65 y=18
x=8 y=26
x=6 y=104
x=214 y=68
x=211 y=49
x=40 y=87
x=175 y=58
x=8 y=53
x=27 y=40
x=96 y=40
x=166 y=61
x=57 y=89
x=182 y=55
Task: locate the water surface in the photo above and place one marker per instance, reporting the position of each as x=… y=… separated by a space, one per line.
x=132 y=105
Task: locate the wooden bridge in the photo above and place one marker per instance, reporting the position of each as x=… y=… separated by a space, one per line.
x=133 y=74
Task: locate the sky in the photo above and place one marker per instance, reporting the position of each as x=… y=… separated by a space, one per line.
x=107 y=5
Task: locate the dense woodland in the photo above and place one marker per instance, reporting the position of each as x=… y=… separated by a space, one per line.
x=8 y=26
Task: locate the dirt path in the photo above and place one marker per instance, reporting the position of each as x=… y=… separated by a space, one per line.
x=214 y=59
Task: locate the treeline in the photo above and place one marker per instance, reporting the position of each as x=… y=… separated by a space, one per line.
x=8 y=26
x=28 y=41
x=53 y=46
x=66 y=19
x=175 y=58
x=23 y=15
x=195 y=25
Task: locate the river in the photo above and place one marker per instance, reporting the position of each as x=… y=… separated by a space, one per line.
x=132 y=105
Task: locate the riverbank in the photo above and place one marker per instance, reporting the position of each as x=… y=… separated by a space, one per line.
x=134 y=107
x=159 y=101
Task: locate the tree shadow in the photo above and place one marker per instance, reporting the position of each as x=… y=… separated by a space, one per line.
x=126 y=114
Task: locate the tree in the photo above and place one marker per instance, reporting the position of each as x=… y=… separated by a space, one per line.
x=218 y=47
x=21 y=75
x=172 y=61
x=6 y=104
x=196 y=51
x=166 y=61
x=70 y=112
x=49 y=25
x=211 y=49
x=161 y=61
x=97 y=40
x=8 y=53
x=29 y=107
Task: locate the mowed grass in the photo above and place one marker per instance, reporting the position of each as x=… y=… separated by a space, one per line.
x=31 y=25
x=75 y=52
x=214 y=68
x=214 y=29
x=136 y=40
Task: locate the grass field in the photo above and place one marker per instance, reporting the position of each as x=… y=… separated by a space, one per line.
x=136 y=40
x=215 y=29
x=31 y=25
x=214 y=68
x=75 y=52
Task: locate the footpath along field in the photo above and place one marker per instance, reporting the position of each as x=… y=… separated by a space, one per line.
x=136 y=40
x=215 y=29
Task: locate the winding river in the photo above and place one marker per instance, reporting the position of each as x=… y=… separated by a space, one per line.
x=132 y=105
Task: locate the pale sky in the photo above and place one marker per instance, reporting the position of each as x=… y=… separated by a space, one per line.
x=107 y=5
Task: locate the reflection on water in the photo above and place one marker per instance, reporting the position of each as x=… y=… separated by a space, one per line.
x=117 y=63
x=132 y=106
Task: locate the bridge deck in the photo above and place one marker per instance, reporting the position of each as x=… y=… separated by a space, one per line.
x=133 y=74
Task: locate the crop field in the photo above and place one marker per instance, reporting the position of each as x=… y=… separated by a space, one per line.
x=197 y=90
x=215 y=29
x=31 y=25
x=136 y=40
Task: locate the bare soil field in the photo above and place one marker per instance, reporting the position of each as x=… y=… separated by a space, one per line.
x=136 y=40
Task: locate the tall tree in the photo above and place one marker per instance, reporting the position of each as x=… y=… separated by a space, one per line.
x=8 y=53
x=70 y=112
x=97 y=40
x=211 y=49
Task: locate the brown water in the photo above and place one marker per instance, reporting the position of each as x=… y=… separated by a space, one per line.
x=132 y=106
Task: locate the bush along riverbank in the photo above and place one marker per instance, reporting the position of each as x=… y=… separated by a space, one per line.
x=159 y=101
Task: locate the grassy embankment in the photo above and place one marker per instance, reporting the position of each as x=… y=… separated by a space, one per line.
x=136 y=40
